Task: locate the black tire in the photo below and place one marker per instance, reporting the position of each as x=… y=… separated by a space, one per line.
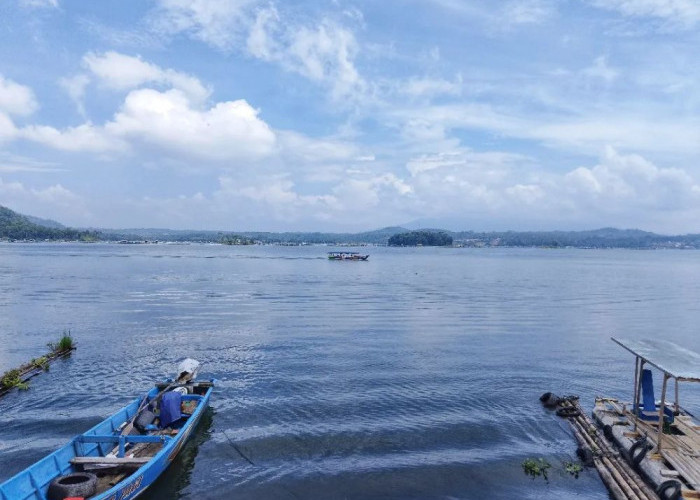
x=78 y=484
x=638 y=451
x=549 y=400
x=585 y=455
x=669 y=490
x=608 y=433
x=568 y=412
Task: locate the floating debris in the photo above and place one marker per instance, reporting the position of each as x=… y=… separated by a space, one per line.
x=18 y=378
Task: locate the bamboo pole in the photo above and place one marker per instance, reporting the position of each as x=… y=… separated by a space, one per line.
x=622 y=465
x=627 y=480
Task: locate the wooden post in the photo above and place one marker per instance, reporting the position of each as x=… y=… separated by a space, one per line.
x=661 y=412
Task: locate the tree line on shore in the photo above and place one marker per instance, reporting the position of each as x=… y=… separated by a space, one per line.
x=14 y=226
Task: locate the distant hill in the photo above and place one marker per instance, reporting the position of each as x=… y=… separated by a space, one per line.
x=45 y=222
x=14 y=226
x=598 y=238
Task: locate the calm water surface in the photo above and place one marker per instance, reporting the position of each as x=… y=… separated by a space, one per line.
x=414 y=375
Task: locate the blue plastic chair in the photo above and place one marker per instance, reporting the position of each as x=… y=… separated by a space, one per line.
x=648 y=409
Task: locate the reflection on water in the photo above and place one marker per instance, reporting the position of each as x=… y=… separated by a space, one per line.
x=415 y=374
x=176 y=477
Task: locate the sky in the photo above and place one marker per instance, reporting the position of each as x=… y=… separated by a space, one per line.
x=310 y=115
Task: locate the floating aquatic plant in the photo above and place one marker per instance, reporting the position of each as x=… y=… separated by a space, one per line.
x=12 y=379
x=64 y=344
x=40 y=363
x=535 y=468
x=573 y=468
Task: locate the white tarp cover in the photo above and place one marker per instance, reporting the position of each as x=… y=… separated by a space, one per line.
x=676 y=361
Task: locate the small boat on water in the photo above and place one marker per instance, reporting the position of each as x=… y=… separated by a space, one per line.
x=658 y=438
x=122 y=455
x=347 y=256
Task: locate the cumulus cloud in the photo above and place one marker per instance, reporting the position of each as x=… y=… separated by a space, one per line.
x=227 y=131
x=16 y=99
x=176 y=123
x=462 y=181
x=632 y=182
x=502 y=186
x=8 y=130
x=122 y=72
x=85 y=137
x=42 y=201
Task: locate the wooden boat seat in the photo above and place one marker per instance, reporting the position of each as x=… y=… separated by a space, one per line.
x=136 y=438
x=110 y=460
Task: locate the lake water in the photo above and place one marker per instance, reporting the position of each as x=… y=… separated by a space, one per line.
x=414 y=375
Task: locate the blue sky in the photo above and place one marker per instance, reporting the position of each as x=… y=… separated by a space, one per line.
x=348 y=116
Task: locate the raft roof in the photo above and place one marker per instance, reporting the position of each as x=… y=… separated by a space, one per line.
x=672 y=359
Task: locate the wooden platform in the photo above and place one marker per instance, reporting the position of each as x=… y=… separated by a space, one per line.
x=680 y=449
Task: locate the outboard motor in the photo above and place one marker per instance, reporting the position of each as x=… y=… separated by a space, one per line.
x=187 y=370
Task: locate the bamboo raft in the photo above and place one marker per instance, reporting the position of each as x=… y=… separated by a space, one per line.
x=679 y=455
x=623 y=482
x=645 y=449
x=31 y=369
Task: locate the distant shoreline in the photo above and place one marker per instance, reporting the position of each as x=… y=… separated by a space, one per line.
x=668 y=246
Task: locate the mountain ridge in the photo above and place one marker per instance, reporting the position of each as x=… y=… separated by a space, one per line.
x=14 y=225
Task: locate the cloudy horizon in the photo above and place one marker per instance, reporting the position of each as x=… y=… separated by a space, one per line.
x=338 y=116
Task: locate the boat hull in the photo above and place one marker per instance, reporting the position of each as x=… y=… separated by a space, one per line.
x=33 y=483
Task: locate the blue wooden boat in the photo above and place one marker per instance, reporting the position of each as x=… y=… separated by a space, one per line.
x=124 y=454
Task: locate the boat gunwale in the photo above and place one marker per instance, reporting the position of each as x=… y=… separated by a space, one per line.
x=61 y=466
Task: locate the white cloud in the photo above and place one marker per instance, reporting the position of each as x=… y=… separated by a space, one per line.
x=582 y=130
x=85 y=137
x=16 y=99
x=314 y=151
x=10 y=163
x=601 y=70
x=218 y=23
x=527 y=11
x=324 y=53
x=121 y=72
x=174 y=123
x=75 y=88
x=227 y=131
x=54 y=201
x=430 y=87
x=40 y=4
x=682 y=12
x=8 y=131
x=631 y=182
x=260 y=42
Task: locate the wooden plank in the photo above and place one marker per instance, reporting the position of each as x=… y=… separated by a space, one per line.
x=688 y=467
x=110 y=460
